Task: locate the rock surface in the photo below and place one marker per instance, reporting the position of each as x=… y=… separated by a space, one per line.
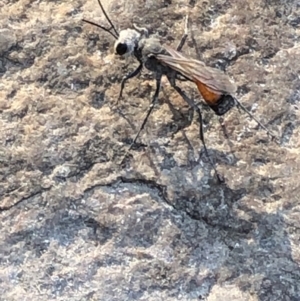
x=76 y=226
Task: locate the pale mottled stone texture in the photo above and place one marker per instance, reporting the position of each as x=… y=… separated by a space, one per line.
x=75 y=226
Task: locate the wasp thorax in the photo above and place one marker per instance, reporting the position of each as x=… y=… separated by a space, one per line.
x=127 y=41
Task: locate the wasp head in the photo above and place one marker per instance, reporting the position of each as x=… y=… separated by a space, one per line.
x=128 y=40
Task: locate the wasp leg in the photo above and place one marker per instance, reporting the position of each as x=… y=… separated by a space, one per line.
x=221 y=121
x=184 y=37
x=225 y=133
x=128 y=76
x=276 y=139
x=196 y=108
x=151 y=107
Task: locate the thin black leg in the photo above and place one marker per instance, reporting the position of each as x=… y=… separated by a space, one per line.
x=221 y=121
x=150 y=109
x=225 y=133
x=128 y=76
x=257 y=121
x=183 y=39
x=201 y=134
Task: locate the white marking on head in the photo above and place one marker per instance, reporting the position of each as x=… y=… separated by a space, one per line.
x=127 y=41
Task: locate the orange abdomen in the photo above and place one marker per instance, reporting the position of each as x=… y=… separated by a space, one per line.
x=210 y=97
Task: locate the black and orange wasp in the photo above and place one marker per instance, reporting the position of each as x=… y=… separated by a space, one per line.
x=214 y=86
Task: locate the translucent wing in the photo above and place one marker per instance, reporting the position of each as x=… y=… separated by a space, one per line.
x=214 y=80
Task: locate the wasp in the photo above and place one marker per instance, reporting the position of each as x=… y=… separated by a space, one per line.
x=215 y=87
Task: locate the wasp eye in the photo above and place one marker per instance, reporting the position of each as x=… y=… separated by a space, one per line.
x=121 y=48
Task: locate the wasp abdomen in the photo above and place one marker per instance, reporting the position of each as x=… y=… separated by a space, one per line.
x=219 y=102
x=224 y=104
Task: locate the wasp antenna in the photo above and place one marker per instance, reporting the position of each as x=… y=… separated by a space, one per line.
x=108 y=19
x=257 y=121
x=102 y=27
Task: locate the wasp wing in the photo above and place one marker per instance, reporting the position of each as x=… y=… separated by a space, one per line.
x=197 y=71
